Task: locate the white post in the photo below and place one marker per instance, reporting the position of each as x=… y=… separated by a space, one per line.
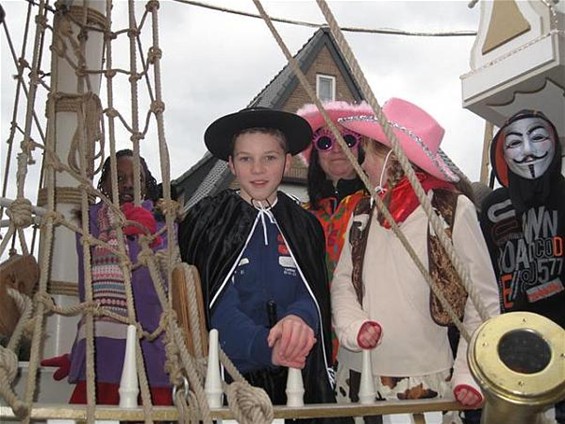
x=213 y=385
x=294 y=388
x=367 y=385
x=61 y=330
x=129 y=387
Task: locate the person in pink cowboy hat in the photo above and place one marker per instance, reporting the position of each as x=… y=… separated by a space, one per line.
x=333 y=185
x=380 y=300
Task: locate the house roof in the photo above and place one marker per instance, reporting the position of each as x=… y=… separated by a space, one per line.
x=277 y=91
x=211 y=175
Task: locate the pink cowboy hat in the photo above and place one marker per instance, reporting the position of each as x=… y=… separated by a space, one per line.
x=418 y=133
x=335 y=110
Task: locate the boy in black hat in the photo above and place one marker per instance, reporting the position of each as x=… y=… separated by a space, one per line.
x=261 y=257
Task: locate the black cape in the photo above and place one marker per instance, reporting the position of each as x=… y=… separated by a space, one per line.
x=213 y=234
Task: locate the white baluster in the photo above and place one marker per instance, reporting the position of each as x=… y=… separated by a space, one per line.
x=129 y=387
x=294 y=388
x=367 y=385
x=213 y=386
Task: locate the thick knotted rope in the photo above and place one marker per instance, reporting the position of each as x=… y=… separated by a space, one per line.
x=8 y=357
x=249 y=404
x=20 y=212
x=8 y=372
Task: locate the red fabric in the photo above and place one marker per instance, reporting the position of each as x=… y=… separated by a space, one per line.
x=363 y=327
x=63 y=362
x=403 y=200
x=143 y=217
x=107 y=394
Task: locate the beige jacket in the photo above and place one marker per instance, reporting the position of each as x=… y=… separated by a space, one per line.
x=396 y=295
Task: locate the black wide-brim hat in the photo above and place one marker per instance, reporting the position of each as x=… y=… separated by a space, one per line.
x=219 y=135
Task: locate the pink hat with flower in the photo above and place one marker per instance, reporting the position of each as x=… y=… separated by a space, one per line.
x=335 y=110
x=418 y=133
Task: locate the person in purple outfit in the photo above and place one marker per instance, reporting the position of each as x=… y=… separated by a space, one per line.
x=109 y=291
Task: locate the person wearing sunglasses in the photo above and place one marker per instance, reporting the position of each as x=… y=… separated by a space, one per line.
x=333 y=185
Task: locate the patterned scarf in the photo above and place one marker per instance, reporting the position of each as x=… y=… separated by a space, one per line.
x=108 y=284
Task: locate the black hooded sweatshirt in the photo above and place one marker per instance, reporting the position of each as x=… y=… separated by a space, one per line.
x=524 y=227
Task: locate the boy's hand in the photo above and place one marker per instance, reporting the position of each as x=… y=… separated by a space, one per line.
x=369 y=335
x=467 y=395
x=291 y=339
x=281 y=361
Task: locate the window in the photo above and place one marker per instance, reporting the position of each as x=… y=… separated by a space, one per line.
x=325 y=87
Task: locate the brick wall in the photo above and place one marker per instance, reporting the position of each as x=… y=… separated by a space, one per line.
x=324 y=64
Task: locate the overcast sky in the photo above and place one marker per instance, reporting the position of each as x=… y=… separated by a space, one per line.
x=215 y=63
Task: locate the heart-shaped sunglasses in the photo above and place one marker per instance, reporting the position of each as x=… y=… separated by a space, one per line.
x=324 y=140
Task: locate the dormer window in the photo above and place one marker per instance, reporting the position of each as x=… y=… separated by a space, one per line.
x=325 y=87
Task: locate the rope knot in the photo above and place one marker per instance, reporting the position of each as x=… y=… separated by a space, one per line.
x=41 y=21
x=53 y=160
x=110 y=73
x=249 y=404
x=154 y=54
x=152 y=6
x=145 y=255
x=42 y=297
x=133 y=32
x=65 y=28
x=28 y=146
x=158 y=106
x=82 y=34
x=112 y=112
x=22 y=63
x=134 y=77
x=169 y=207
x=34 y=77
x=81 y=71
x=52 y=216
x=110 y=35
x=20 y=212
x=136 y=136
x=167 y=317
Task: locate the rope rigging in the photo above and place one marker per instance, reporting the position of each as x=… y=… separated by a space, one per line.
x=98 y=122
x=86 y=149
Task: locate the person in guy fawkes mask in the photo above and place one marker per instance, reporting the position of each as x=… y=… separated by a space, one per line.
x=524 y=220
